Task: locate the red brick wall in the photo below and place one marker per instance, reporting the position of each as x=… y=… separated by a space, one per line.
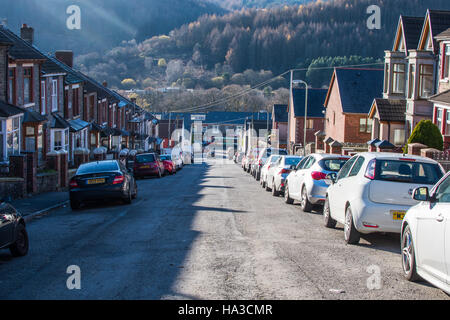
x=351 y=130
x=300 y=127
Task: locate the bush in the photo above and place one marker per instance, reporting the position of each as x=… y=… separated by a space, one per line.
x=428 y=134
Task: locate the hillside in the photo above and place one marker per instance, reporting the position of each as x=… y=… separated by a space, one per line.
x=104 y=23
x=274 y=39
x=239 y=4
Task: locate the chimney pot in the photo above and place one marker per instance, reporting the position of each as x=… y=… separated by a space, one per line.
x=27 y=33
x=105 y=84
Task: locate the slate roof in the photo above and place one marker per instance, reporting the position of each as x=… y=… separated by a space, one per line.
x=358 y=88
x=443 y=97
x=316 y=99
x=57 y=122
x=391 y=110
x=412 y=28
x=20 y=49
x=8 y=110
x=440 y=22
x=4 y=39
x=33 y=116
x=72 y=76
x=78 y=125
x=280 y=112
x=443 y=35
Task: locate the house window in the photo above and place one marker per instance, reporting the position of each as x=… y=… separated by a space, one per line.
x=412 y=80
x=13 y=136
x=54 y=95
x=439 y=119
x=447 y=123
x=386 y=78
x=446 y=62
x=399 y=136
x=43 y=99
x=365 y=125
x=309 y=124
x=425 y=81
x=11 y=85
x=398 y=84
x=60 y=140
x=75 y=103
x=27 y=85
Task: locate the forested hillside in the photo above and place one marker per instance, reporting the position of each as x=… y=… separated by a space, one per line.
x=273 y=39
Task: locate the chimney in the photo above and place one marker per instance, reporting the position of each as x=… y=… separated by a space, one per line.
x=105 y=84
x=65 y=56
x=27 y=34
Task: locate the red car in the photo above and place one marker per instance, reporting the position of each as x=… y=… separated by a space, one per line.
x=148 y=164
x=169 y=166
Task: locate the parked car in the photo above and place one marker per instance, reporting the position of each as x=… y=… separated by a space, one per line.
x=277 y=174
x=265 y=169
x=238 y=157
x=426 y=234
x=108 y=179
x=250 y=157
x=148 y=164
x=261 y=160
x=306 y=183
x=372 y=192
x=13 y=233
x=169 y=166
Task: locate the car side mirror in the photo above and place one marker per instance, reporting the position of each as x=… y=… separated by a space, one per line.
x=294 y=167
x=331 y=178
x=421 y=194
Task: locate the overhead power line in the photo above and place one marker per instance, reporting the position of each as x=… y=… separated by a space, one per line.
x=248 y=90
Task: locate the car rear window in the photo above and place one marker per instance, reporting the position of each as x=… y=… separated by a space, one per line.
x=408 y=172
x=145 y=158
x=292 y=161
x=166 y=157
x=94 y=167
x=333 y=164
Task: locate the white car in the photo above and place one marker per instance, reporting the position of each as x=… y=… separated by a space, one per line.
x=425 y=236
x=306 y=183
x=278 y=172
x=265 y=169
x=372 y=192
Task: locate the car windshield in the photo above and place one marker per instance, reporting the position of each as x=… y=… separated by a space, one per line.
x=166 y=157
x=292 y=161
x=145 y=158
x=274 y=159
x=333 y=164
x=94 y=167
x=280 y=152
x=408 y=172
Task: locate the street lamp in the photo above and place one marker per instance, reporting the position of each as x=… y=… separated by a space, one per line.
x=306 y=110
x=265 y=111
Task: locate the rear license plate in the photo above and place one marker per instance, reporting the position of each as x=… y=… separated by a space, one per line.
x=398 y=215
x=96 y=181
x=145 y=167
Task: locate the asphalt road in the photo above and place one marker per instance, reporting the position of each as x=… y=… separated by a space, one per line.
x=209 y=232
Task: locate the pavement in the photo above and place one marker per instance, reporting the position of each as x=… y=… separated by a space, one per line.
x=208 y=232
x=40 y=204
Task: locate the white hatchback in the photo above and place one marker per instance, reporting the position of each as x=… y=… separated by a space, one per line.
x=426 y=236
x=372 y=192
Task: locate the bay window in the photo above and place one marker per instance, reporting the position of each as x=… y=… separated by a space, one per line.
x=60 y=139
x=398 y=84
x=399 y=136
x=13 y=136
x=425 y=81
x=439 y=113
x=412 y=81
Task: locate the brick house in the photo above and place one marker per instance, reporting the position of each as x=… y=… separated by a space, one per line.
x=280 y=119
x=348 y=102
x=296 y=118
x=441 y=101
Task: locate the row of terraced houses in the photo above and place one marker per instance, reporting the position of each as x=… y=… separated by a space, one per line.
x=381 y=106
x=48 y=106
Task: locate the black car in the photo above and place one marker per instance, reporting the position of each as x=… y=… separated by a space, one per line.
x=102 y=180
x=13 y=233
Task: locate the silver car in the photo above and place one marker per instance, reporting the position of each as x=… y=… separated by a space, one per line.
x=267 y=166
x=277 y=174
x=307 y=182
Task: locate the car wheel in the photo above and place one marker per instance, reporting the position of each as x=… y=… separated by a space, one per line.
x=258 y=176
x=267 y=186
x=20 y=247
x=128 y=198
x=74 y=204
x=305 y=204
x=135 y=191
x=287 y=198
x=351 y=235
x=408 y=256
x=328 y=220
x=275 y=192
